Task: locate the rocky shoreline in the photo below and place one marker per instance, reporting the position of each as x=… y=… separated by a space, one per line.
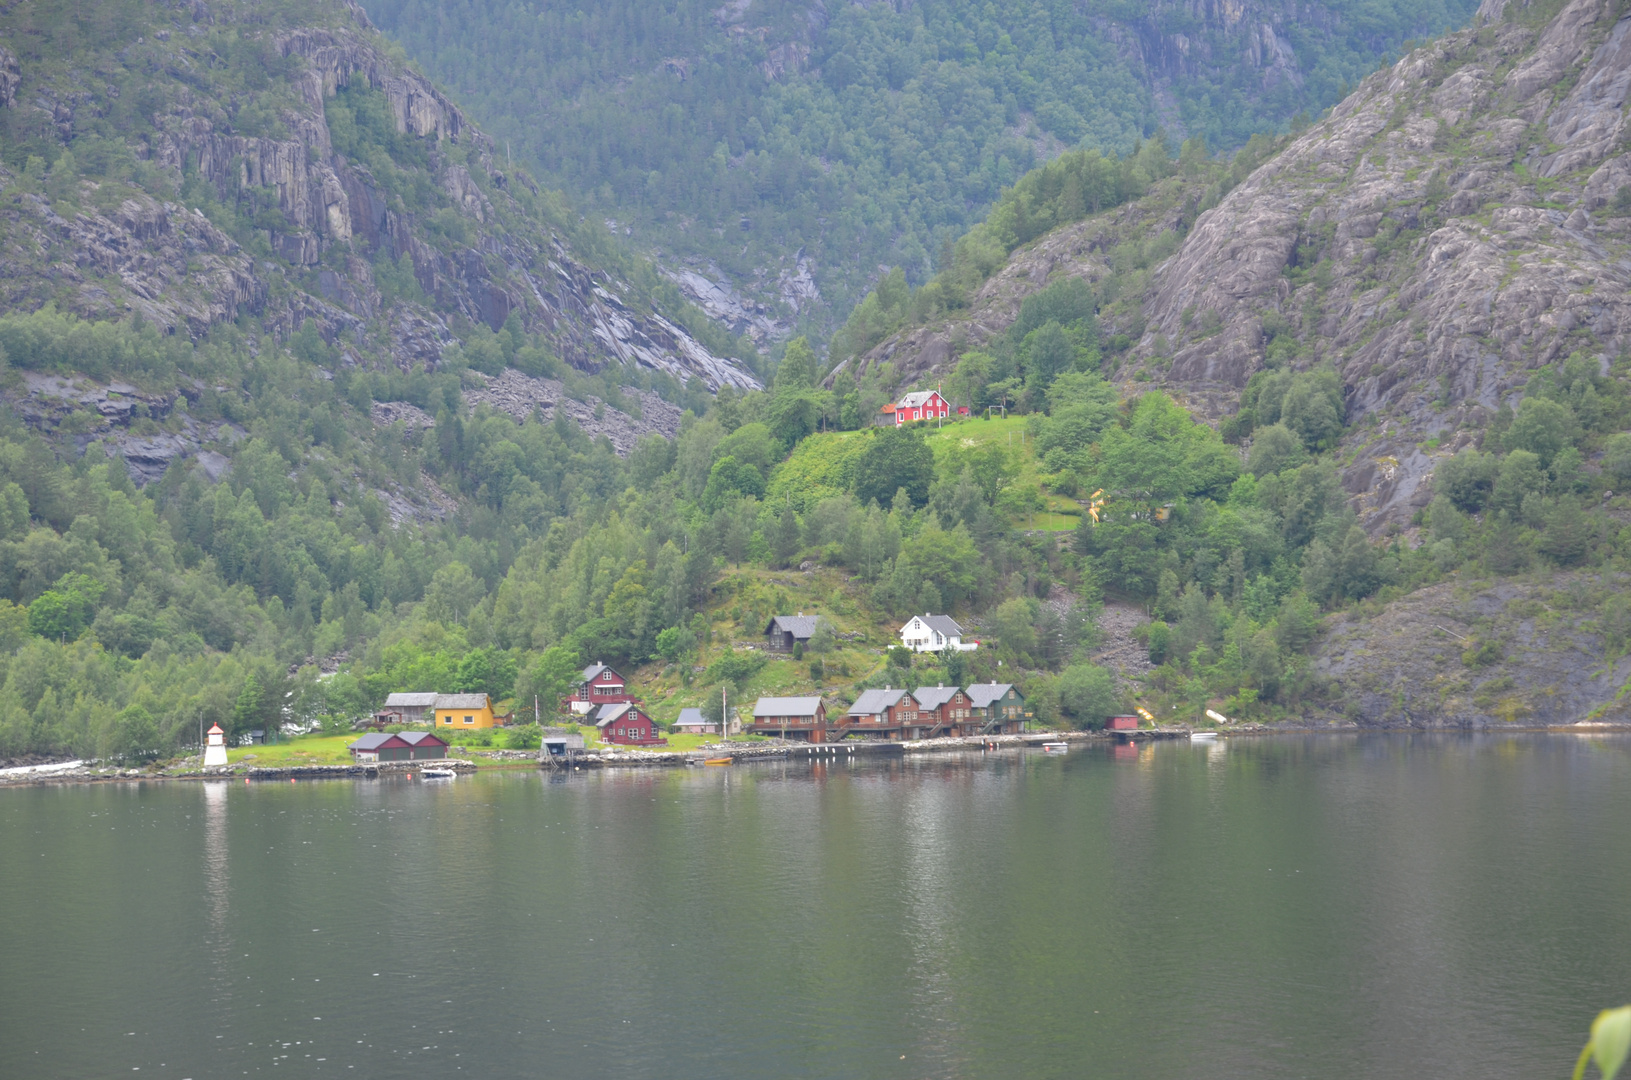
x=74 y=772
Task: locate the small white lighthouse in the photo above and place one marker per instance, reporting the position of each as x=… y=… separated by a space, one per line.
x=216 y=752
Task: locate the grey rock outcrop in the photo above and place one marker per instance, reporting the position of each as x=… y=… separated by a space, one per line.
x=1454 y=224
x=326 y=220
x=1445 y=272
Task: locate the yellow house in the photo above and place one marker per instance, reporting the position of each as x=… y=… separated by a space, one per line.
x=464 y=711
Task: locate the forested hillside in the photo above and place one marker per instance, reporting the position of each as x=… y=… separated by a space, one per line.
x=765 y=140
x=1420 y=300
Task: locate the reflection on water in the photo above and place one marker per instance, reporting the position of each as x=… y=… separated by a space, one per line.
x=1343 y=906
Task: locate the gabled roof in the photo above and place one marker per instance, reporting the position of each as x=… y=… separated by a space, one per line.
x=942 y=624
x=420 y=738
x=461 y=701
x=786 y=706
x=800 y=626
x=593 y=670
x=874 y=701
x=983 y=694
x=932 y=697
x=692 y=716
x=410 y=700
x=375 y=740
x=917 y=397
x=607 y=713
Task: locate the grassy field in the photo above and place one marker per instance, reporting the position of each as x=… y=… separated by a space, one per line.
x=322 y=750
x=302 y=750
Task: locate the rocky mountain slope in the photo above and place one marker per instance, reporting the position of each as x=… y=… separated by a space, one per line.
x=755 y=143
x=186 y=169
x=1453 y=225
x=1459 y=223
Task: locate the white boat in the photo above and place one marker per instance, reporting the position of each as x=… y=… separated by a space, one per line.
x=1056 y=748
x=438 y=774
x=1203 y=736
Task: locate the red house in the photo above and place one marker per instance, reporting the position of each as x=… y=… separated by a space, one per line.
x=599 y=685
x=943 y=710
x=624 y=724
x=1122 y=723
x=921 y=405
x=881 y=714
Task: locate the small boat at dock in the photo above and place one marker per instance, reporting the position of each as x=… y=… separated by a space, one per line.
x=438 y=774
x=1056 y=748
x=719 y=761
x=1203 y=736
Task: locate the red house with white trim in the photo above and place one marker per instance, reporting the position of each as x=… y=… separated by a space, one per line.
x=599 y=685
x=626 y=725
x=921 y=405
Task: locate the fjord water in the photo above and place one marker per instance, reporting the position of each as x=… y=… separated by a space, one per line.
x=1382 y=906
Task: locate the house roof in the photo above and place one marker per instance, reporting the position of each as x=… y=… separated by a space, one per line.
x=800 y=626
x=593 y=670
x=983 y=694
x=916 y=398
x=420 y=738
x=409 y=700
x=786 y=706
x=693 y=716
x=874 y=701
x=374 y=741
x=932 y=697
x=943 y=624
x=607 y=713
x=461 y=701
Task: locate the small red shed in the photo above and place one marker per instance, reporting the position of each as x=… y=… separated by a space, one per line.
x=1122 y=723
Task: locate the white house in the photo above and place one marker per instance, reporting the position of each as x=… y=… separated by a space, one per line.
x=934 y=633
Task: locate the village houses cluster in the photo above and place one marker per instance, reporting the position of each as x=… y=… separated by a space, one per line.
x=602 y=698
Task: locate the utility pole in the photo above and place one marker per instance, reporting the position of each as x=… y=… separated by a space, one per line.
x=724 y=717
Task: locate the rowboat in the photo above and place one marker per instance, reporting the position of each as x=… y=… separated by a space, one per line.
x=719 y=761
x=1203 y=736
x=1056 y=748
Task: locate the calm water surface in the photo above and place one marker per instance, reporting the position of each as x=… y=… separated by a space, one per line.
x=1329 y=907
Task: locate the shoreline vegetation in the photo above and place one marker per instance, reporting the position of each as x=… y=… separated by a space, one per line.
x=741 y=751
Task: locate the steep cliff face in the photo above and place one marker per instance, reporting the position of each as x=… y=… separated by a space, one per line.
x=312 y=229
x=1450 y=227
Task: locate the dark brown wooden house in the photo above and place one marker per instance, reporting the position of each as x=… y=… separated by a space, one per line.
x=801 y=719
x=881 y=714
x=785 y=631
x=944 y=711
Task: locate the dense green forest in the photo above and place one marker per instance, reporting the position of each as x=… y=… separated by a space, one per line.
x=866 y=135
x=133 y=616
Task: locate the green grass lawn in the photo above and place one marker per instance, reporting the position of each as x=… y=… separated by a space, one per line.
x=1048 y=521
x=301 y=750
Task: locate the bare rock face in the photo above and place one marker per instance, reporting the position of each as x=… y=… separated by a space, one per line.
x=522 y=397
x=333 y=221
x=1451 y=226
x=1422 y=661
x=1403 y=245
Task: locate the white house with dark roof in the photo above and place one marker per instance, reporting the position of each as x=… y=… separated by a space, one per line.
x=934 y=633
